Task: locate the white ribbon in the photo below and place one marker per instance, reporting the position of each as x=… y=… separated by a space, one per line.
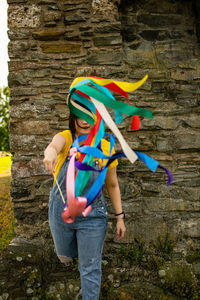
x=130 y=154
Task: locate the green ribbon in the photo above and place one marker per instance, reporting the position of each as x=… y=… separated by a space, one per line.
x=120 y=106
x=80 y=114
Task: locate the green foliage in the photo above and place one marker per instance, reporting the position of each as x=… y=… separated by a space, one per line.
x=164 y=246
x=75 y=270
x=156 y=262
x=180 y=281
x=107 y=290
x=7 y=224
x=162 y=297
x=34 y=281
x=4 y=118
x=132 y=252
x=194 y=256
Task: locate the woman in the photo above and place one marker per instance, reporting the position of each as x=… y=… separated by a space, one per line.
x=85 y=236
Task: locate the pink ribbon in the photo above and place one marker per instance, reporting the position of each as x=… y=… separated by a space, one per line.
x=75 y=205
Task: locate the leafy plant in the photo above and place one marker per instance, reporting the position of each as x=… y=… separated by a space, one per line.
x=132 y=252
x=107 y=290
x=4 y=118
x=156 y=262
x=194 y=256
x=164 y=246
x=180 y=281
x=34 y=281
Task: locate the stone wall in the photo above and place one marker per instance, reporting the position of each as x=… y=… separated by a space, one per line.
x=51 y=42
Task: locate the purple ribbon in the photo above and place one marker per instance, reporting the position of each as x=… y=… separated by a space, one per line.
x=170 y=178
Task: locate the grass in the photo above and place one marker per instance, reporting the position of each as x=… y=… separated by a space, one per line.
x=7 y=220
x=7 y=224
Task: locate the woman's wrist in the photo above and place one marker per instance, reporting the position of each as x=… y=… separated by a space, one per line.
x=121 y=220
x=120 y=215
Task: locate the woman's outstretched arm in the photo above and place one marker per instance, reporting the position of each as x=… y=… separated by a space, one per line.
x=52 y=151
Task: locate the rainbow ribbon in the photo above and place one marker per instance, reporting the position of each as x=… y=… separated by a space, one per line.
x=87 y=99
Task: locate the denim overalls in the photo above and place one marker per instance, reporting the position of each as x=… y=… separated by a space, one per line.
x=84 y=238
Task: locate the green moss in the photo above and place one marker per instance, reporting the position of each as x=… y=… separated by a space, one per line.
x=162 y=251
x=108 y=292
x=132 y=252
x=163 y=297
x=61 y=48
x=164 y=245
x=180 y=281
x=194 y=256
x=75 y=270
x=156 y=262
x=34 y=281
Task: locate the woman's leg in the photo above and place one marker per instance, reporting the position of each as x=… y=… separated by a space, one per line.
x=90 y=238
x=64 y=234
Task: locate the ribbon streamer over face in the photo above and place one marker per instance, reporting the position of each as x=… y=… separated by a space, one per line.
x=87 y=99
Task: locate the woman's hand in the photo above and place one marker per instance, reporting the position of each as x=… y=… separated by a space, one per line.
x=50 y=159
x=51 y=152
x=120 y=227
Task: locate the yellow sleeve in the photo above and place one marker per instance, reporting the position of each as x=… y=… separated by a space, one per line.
x=105 y=147
x=65 y=151
x=68 y=137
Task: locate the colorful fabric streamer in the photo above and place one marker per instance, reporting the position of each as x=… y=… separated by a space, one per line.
x=87 y=99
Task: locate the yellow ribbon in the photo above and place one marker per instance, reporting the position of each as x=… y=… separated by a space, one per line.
x=125 y=86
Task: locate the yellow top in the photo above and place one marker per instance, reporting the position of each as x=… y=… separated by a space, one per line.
x=105 y=147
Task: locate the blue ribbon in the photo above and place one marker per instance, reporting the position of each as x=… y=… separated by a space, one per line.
x=95 y=189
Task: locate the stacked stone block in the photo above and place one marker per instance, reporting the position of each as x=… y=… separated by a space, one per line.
x=52 y=42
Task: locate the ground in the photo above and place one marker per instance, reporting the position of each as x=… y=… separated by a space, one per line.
x=6 y=212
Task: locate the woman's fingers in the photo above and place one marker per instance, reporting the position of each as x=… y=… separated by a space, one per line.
x=50 y=159
x=120 y=229
x=49 y=165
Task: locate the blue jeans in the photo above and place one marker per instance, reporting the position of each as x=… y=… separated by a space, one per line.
x=83 y=239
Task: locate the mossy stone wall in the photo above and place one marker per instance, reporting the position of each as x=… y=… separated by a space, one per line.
x=51 y=42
